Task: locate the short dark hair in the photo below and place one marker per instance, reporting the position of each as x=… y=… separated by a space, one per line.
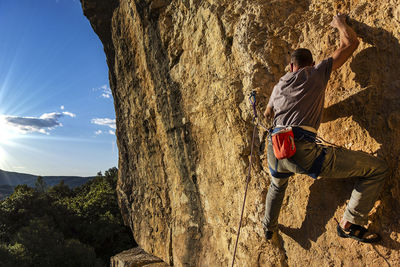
x=301 y=57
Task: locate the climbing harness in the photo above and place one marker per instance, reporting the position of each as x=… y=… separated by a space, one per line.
x=252 y=100
x=301 y=134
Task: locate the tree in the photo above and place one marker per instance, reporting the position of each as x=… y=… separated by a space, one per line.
x=111 y=173
x=60 y=191
x=40 y=185
x=112 y=176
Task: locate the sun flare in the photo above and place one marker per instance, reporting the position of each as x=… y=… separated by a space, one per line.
x=7 y=140
x=6 y=133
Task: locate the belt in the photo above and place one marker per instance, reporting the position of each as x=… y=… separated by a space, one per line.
x=299 y=133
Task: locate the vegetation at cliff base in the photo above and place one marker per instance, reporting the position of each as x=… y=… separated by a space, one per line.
x=58 y=226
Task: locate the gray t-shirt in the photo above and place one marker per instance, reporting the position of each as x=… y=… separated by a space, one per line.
x=298 y=98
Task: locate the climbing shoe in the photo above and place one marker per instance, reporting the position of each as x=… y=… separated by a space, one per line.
x=268 y=234
x=358 y=233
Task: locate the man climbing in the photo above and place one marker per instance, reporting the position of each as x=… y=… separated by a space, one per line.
x=296 y=104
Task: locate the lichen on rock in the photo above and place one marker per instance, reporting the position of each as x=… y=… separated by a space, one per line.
x=181 y=72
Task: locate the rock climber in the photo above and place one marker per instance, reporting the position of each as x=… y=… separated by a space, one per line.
x=297 y=101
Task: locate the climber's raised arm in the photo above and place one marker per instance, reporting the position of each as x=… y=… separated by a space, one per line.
x=348 y=41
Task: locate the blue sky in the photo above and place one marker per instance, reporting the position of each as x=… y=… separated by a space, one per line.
x=56 y=109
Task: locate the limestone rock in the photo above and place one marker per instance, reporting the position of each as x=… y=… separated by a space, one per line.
x=181 y=72
x=136 y=257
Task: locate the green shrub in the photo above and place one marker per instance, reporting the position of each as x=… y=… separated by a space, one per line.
x=57 y=226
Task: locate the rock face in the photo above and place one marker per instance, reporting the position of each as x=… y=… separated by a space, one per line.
x=181 y=72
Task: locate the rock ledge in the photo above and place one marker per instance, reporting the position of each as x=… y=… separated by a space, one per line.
x=136 y=257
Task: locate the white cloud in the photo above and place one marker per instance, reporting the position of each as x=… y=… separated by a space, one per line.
x=103 y=95
x=104 y=122
x=72 y=115
x=99 y=132
x=42 y=124
x=106 y=91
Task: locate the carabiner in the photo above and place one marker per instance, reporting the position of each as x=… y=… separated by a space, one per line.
x=252 y=100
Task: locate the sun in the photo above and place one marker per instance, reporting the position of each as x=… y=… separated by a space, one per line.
x=7 y=140
x=6 y=133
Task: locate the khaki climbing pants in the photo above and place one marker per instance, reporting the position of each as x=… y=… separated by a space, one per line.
x=338 y=163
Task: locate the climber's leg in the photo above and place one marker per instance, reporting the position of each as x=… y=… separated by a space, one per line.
x=273 y=203
x=279 y=174
x=371 y=173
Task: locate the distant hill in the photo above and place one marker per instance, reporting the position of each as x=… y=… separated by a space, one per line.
x=8 y=180
x=5 y=191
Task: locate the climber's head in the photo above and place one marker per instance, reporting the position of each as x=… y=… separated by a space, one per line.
x=300 y=58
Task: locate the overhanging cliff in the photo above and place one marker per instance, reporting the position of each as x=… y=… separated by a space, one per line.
x=181 y=72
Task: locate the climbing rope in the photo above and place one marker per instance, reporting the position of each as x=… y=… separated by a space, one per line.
x=252 y=99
